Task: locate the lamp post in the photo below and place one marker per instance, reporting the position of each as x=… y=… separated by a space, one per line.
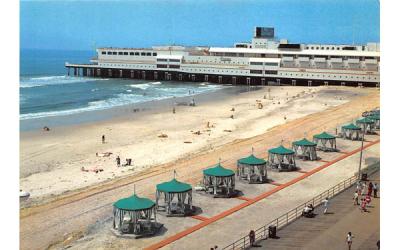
x=361 y=152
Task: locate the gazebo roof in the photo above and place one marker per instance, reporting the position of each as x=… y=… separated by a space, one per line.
x=365 y=120
x=351 y=126
x=304 y=142
x=174 y=186
x=134 y=203
x=325 y=136
x=252 y=160
x=218 y=171
x=281 y=150
x=374 y=117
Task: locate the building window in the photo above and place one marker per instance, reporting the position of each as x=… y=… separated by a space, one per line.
x=103 y=52
x=174 y=60
x=256 y=63
x=154 y=54
x=109 y=53
x=270 y=64
x=174 y=66
x=120 y=53
x=271 y=72
x=114 y=53
x=136 y=53
x=148 y=54
x=125 y=53
x=255 y=71
x=161 y=65
x=131 y=53
x=142 y=54
x=161 y=60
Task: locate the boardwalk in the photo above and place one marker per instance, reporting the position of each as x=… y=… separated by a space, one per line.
x=329 y=231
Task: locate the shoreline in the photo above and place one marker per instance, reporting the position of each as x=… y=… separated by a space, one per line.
x=51 y=161
x=126 y=110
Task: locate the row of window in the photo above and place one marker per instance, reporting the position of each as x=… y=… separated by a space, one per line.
x=124 y=53
x=329 y=76
x=268 y=72
x=266 y=63
x=166 y=60
x=168 y=66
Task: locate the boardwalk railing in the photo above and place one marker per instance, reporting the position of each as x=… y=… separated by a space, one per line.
x=285 y=219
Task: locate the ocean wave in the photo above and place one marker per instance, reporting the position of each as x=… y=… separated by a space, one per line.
x=142 y=86
x=30 y=82
x=126 y=99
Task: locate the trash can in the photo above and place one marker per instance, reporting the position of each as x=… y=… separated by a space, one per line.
x=364 y=177
x=272 y=231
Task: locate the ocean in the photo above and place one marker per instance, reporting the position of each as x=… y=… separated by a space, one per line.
x=46 y=90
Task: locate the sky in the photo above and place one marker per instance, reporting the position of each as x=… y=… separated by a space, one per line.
x=85 y=24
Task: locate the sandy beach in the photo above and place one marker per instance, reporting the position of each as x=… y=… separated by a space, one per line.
x=51 y=161
x=82 y=206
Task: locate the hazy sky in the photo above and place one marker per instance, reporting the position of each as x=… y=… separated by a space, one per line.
x=79 y=25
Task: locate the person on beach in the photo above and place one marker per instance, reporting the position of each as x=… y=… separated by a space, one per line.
x=326 y=203
x=118 y=161
x=375 y=188
x=252 y=237
x=349 y=240
x=103 y=139
x=355 y=198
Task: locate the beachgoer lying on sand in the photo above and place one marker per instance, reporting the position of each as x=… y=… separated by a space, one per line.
x=106 y=154
x=95 y=170
x=45 y=128
x=163 y=136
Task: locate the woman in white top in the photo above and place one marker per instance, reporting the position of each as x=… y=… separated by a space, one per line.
x=349 y=239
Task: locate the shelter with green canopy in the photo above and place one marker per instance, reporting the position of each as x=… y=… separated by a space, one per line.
x=168 y=191
x=219 y=181
x=252 y=169
x=281 y=158
x=351 y=132
x=377 y=120
x=325 y=142
x=305 y=149
x=135 y=215
x=366 y=124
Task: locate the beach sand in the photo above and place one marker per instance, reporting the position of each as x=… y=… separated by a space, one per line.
x=79 y=211
x=51 y=161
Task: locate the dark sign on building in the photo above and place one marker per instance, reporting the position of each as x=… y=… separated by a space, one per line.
x=264 y=32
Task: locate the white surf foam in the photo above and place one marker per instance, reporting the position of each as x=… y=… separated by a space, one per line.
x=54 y=80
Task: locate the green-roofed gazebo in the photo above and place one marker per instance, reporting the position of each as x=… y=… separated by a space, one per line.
x=366 y=124
x=351 y=132
x=325 y=142
x=377 y=120
x=135 y=215
x=219 y=181
x=305 y=149
x=281 y=158
x=168 y=191
x=252 y=169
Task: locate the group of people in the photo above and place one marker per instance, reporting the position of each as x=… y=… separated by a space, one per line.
x=308 y=210
x=364 y=192
x=128 y=162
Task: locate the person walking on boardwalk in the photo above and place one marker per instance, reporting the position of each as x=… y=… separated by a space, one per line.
x=364 y=189
x=375 y=188
x=326 y=203
x=370 y=187
x=355 y=198
x=349 y=240
x=252 y=237
x=103 y=139
x=118 y=161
